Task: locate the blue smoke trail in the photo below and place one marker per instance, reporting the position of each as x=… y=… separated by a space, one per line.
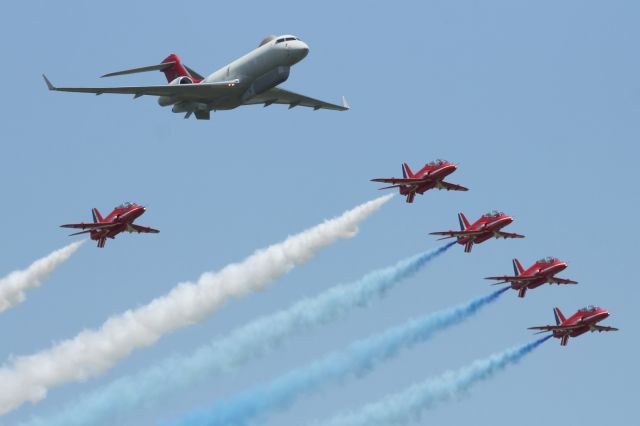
x=258 y=338
x=407 y=406
x=359 y=358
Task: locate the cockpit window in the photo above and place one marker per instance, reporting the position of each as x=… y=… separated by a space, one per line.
x=494 y=213
x=438 y=162
x=125 y=205
x=281 y=39
x=548 y=259
x=590 y=308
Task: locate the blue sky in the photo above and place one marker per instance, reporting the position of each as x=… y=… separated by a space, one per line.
x=537 y=102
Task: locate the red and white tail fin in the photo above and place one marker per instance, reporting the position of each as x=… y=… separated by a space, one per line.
x=175 y=70
x=464 y=223
x=171 y=66
x=406 y=171
x=517 y=267
x=97 y=217
x=559 y=317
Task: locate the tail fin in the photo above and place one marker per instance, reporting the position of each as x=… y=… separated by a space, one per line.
x=176 y=69
x=406 y=171
x=559 y=317
x=517 y=267
x=97 y=217
x=464 y=223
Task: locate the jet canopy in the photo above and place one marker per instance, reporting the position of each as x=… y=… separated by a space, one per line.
x=590 y=308
x=548 y=259
x=494 y=213
x=438 y=162
x=126 y=205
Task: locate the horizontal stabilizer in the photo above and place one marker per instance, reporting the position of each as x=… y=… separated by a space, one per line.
x=194 y=73
x=158 y=67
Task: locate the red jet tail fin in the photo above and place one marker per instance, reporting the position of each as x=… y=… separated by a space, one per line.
x=97 y=217
x=175 y=70
x=464 y=223
x=406 y=171
x=559 y=317
x=517 y=267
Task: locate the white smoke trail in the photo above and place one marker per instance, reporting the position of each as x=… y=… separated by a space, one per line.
x=108 y=405
x=13 y=286
x=408 y=406
x=357 y=359
x=27 y=378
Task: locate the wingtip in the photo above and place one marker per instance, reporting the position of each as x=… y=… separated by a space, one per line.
x=49 y=85
x=345 y=104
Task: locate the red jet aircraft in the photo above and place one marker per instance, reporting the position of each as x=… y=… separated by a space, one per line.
x=583 y=320
x=543 y=271
x=429 y=177
x=481 y=230
x=119 y=220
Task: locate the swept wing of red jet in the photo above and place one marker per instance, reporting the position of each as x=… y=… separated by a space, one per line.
x=488 y=226
x=541 y=272
x=119 y=220
x=431 y=176
x=583 y=320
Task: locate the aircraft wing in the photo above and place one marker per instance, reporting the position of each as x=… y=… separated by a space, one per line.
x=556 y=280
x=399 y=181
x=89 y=226
x=280 y=96
x=512 y=278
x=455 y=234
x=141 y=229
x=501 y=234
x=450 y=186
x=191 y=91
x=600 y=328
x=555 y=327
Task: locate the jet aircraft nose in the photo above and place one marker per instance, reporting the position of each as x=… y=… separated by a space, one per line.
x=302 y=49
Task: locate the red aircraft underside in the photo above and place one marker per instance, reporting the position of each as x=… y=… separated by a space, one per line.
x=542 y=272
x=119 y=220
x=429 y=177
x=488 y=226
x=583 y=320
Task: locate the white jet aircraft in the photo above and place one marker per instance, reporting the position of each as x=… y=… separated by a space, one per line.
x=251 y=79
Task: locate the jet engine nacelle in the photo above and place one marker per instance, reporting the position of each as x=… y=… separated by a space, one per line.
x=190 y=107
x=181 y=80
x=266 y=81
x=164 y=101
